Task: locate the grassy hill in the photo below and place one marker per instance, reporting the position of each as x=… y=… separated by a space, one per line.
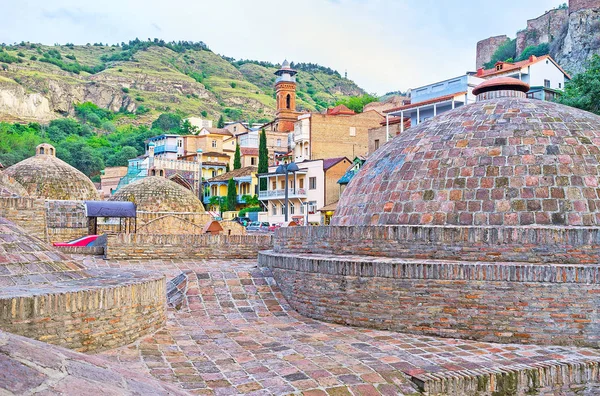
x=39 y=83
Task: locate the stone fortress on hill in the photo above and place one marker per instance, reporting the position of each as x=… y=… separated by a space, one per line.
x=572 y=32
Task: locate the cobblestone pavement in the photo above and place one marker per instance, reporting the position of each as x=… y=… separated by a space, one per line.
x=237 y=335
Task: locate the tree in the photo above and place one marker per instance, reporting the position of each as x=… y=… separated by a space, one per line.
x=221 y=202
x=227 y=168
x=168 y=122
x=263 y=158
x=78 y=154
x=188 y=129
x=237 y=158
x=251 y=200
x=221 y=122
x=583 y=91
x=537 y=50
x=231 y=194
x=357 y=103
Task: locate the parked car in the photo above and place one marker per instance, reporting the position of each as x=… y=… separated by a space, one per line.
x=274 y=227
x=258 y=226
x=88 y=240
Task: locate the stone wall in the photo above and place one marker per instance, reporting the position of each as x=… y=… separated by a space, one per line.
x=28 y=213
x=578 y=5
x=542 y=29
x=496 y=302
x=488 y=244
x=486 y=48
x=147 y=247
x=65 y=220
x=94 y=314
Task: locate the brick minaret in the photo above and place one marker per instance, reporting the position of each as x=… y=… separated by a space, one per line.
x=285 y=87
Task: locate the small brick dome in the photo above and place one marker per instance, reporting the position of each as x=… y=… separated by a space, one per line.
x=503 y=161
x=10 y=187
x=45 y=176
x=157 y=194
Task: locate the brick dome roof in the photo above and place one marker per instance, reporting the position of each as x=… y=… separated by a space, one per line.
x=26 y=260
x=10 y=187
x=45 y=176
x=157 y=194
x=506 y=161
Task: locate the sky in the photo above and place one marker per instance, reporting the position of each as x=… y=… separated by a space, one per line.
x=384 y=45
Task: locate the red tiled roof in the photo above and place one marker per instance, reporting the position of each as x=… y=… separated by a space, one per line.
x=329 y=162
x=340 y=110
x=248 y=151
x=426 y=102
x=508 y=67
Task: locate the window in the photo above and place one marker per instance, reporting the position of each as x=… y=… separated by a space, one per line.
x=302 y=208
x=376 y=144
x=547 y=83
x=179 y=143
x=213 y=173
x=252 y=160
x=234 y=129
x=214 y=143
x=274 y=209
x=352 y=131
x=274 y=185
x=306 y=151
x=312 y=183
x=278 y=142
x=292 y=208
x=288 y=101
x=559 y=85
x=282 y=184
x=312 y=207
x=301 y=183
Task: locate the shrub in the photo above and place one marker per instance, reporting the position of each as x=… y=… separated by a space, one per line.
x=70 y=56
x=125 y=89
x=139 y=98
x=22 y=55
x=33 y=58
x=243 y=212
x=142 y=110
x=233 y=85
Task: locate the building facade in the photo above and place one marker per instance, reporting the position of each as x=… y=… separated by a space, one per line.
x=312 y=187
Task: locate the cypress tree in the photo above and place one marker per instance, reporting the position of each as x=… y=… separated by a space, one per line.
x=237 y=158
x=221 y=122
x=231 y=195
x=263 y=158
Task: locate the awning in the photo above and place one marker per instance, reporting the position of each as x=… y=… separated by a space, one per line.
x=110 y=209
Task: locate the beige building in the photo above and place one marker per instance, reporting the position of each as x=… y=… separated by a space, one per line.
x=378 y=136
x=109 y=180
x=338 y=133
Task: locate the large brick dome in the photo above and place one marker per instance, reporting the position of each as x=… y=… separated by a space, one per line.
x=157 y=194
x=502 y=161
x=45 y=176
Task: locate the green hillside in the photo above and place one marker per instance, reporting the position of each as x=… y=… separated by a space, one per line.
x=40 y=83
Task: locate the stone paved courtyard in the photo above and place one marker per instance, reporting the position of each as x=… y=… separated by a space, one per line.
x=237 y=335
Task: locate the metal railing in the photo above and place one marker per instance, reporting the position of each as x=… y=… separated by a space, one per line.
x=292 y=192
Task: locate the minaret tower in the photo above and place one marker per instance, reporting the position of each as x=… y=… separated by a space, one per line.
x=285 y=88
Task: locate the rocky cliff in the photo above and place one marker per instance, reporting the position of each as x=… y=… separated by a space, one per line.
x=579 y=39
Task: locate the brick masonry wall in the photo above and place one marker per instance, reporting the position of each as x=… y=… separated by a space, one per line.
x=488 y=244
x=136 y=247
x=29 y=213
x=325 y=129
x=85 y=316
x=486 y=48
x=508 y=303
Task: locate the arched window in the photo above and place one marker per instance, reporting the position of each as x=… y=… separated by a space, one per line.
x=51 y=151
x=288 y=101
x=41 y=150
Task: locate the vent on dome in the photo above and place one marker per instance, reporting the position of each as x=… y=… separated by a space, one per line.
x=501 y=87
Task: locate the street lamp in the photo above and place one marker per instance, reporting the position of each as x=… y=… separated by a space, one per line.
x=199 y=190
x=285 y=169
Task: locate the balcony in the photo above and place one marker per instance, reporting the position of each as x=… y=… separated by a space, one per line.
x=167 y=148
x=280 y=194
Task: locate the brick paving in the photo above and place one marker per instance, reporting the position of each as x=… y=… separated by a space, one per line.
x=235 y=334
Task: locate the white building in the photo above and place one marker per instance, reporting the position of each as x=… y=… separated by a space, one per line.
x=545 y=77
x=200 y=122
